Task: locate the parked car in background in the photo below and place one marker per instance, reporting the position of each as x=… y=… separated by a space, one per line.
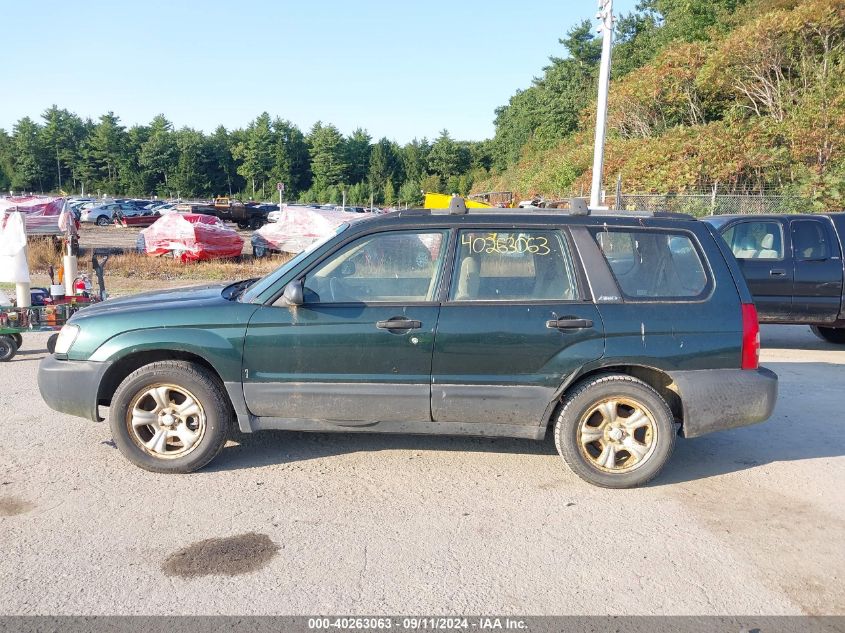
x=142 y=217
x=614 y=333
x=794 y=267
x=103 y=215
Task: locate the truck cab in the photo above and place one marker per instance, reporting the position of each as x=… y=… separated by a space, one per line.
x=793 y=265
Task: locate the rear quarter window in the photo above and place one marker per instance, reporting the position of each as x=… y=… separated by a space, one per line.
x=655 y=265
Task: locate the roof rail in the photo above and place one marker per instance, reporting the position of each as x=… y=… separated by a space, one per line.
x=577 y=207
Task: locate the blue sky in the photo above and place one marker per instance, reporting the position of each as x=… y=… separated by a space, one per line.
x=396 y=68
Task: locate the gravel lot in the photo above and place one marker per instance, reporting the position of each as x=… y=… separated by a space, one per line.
x=743 y=522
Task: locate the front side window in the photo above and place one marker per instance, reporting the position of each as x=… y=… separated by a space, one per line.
x=513 y=265
x=809 y=240
x=755 y=240
x=653 y=265
x=392 y=267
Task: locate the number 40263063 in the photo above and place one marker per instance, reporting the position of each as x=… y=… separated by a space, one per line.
x=493 y=244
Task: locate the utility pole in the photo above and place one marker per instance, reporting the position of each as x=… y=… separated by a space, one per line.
x=605 y=15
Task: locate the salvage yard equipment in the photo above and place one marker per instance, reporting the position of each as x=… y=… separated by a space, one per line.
x=14 y=322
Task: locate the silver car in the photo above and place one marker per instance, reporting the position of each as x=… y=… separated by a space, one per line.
x=103 y=214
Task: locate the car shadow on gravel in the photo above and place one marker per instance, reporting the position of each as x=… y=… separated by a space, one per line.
x=805 y=425
x=794 y=337
x=800 y=429
x=279 y=447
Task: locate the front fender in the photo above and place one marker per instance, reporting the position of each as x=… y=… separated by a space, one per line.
x=221 y=347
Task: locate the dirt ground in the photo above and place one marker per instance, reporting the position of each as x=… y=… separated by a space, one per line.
x=748 y=521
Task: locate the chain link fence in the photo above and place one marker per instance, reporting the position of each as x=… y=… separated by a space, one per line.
x=709 y=204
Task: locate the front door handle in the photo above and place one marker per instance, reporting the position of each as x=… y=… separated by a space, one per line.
x=399 y=324
x=569 y=324
x=777 y=272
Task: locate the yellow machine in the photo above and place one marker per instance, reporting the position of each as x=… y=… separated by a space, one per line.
x=441 y=201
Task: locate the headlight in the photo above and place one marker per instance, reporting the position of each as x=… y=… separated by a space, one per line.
x=66 y=338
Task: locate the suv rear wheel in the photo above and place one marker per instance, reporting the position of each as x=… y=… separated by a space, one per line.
x=830 y=334
x=615 y=431
x=170 y=417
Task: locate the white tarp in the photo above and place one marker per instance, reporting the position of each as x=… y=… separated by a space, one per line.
x=299 y=227
x=13 y=264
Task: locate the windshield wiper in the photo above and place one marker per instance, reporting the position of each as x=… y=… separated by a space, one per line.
x=238 y=288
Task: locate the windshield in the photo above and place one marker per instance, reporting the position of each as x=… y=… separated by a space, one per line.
x=266 y=282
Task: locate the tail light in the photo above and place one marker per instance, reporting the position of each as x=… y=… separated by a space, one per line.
x=750 y=337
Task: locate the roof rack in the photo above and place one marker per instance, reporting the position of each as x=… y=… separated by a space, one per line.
x=577 y=207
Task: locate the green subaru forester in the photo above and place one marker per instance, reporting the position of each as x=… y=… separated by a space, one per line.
x=618 y=332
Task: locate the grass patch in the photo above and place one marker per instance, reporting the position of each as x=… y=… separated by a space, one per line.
x=133 y=272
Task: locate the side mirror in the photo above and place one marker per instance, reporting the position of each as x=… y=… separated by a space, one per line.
x=293 y=294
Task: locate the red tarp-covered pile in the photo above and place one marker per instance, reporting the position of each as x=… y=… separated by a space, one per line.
x=192 y=237
x=299 y=227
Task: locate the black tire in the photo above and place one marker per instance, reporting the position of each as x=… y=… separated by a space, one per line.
x=194 y=379
x=18 y=340
x=243 y=225
x=103 y=221
x=256 y=223
x=51 y=343
x=658 y=438
x=259 y=252
x=8 y=348
x=830 y=334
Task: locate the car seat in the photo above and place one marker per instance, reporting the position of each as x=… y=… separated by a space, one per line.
x=469 y=279
x=767 y=250
x=747 y=249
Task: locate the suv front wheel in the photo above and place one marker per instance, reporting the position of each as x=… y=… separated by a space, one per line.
x=170 y=417
x=615 y=431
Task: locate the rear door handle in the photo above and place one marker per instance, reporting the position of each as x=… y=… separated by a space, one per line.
x=777 y=272
x=399 y=324
x=569 y=324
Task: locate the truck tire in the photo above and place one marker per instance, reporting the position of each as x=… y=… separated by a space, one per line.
x=256 y=223
x=830 y=334
x=18 y=340
x=103 y=221
x=259 y=252
x=8 y=348
x=615 y=431
x=170 y=417
x=243 y=225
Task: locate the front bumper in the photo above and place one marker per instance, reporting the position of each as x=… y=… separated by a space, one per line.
x=719 y=399
x=70 y=386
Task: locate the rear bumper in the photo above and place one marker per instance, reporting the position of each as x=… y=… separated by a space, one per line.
x=71 y=386
x=719 y=399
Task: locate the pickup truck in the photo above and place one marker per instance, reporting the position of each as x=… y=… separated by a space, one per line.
x=794 y=267
x=252 y=216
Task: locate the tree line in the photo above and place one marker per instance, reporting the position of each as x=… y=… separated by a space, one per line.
x=744 y=93
x=64 y=152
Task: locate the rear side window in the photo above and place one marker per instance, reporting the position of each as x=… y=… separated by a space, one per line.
x=809 y=240
x=659 y=265
x=513 y=265
x=755 y=240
